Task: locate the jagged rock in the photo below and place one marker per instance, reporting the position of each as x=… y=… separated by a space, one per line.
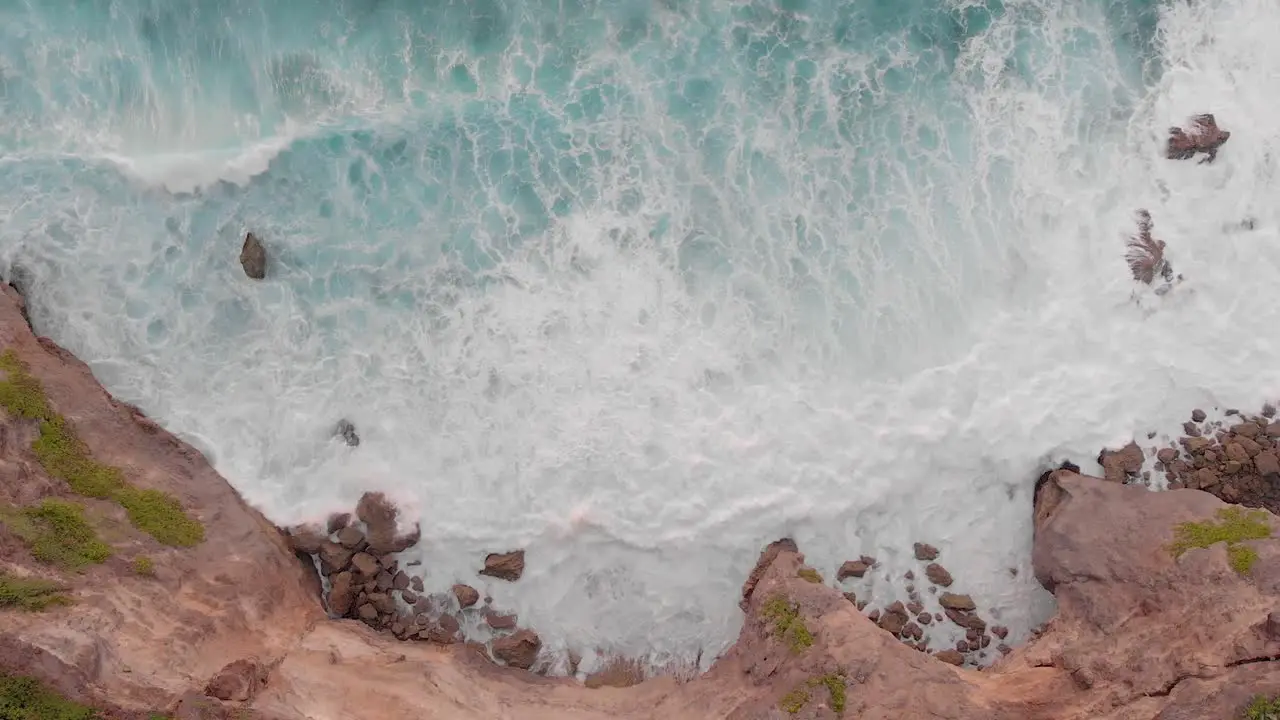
x=347 y=431
x=400 y=581
x=384 y=581
x=852 y=568
x=1198 y=415
x=767 y=556
x=519 y=649
x=1122 y=463
x=925 y=552
x=379 y=515
x=238 y=681
x=416 y=584
x=467 y=595
x=938 y=575
x=253 y=257
x=504 y=566
x=893 y=621
x=1202 y=135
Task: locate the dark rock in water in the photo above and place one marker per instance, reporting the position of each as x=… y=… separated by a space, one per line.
x=348 y=432
x=253 y=257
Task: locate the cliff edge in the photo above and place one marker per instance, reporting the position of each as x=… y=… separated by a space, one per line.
x=138 y=581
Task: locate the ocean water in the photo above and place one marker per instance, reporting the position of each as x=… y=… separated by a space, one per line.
x=642 y=285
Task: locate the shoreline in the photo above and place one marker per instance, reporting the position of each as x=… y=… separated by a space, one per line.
x=234 y=624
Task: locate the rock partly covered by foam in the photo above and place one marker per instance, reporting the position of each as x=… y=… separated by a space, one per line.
x=1202 y=135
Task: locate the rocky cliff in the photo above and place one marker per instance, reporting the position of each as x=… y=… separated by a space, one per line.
x=132 y=577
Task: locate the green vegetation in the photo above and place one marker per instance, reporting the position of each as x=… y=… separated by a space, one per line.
x=794 y=701
x=143 y=566
x=1262 y=708
x=1234 y=526
x=65 y=456
x=787 y=624
x=808 y=573
x=22 y=698
x=30 y=593
x=58 y=534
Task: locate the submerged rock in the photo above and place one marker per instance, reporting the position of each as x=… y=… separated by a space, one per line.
x=253 y=257
x=347 y=431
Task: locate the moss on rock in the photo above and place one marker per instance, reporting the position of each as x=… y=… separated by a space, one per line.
x=1233 y=526
x=32 y=594
x=1262 y=708
x=64 y=456
x=810 y=575
x=58 y=534
x=23 y=698
x=794 y=701
x=788 y=625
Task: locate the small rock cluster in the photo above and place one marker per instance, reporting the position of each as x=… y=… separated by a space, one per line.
x=357 y=555
x=1236 y=459
x=910 y=621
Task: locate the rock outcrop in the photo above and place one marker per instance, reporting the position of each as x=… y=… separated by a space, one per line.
x=233 y=627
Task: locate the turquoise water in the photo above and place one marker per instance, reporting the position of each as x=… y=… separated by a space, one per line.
x=638 y=285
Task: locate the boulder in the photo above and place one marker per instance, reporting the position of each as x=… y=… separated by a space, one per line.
x=852 y=568
x=253 y=257
x=499 y=621
x=938 y=575
x=341 y=594
x=365 y=564
x=379 y=515
x=467 y=595
x=238 y=681
x=519 y=649
x=504 y=566
x=925 y=552
x=959 y=603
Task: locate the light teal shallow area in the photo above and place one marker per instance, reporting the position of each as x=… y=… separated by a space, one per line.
x=566 y=264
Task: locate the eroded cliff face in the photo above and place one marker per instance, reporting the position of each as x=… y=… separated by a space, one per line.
x=1139 y=633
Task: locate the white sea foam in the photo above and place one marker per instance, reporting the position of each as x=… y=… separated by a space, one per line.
x=643 y=429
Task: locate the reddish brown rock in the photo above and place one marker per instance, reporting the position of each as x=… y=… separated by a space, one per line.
x=951 y=657
x=1123 y=463
x=307 y=539
x=618 y=673
x=466 y=595
x=1202 y=135
x=499 y=621
x=341 y=594
x=938 y=575
x=925 y=552
x=852 y=568
x=959 y=603
x=519 y=649
x=893 y=622
x=337 y=522
x=351 y=537
x=239 y=681
x=365 y=564
x=504 y=566
x=333 y=557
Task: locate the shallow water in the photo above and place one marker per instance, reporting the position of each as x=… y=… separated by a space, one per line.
x=641 y=286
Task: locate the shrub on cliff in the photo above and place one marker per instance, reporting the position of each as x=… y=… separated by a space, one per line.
x=30 y=594
x=22 y=698
x=1262 y=708
x=63 y=455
